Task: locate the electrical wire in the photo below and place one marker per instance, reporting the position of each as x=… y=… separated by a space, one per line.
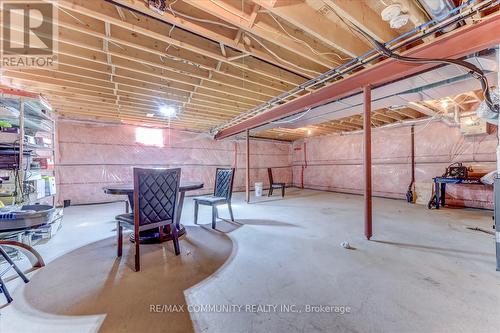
x=291 y=120
x=218 y=3
x=174 y=12
x=271 y=52
x=348 y=24
x=417 y=3
x=279 y=58
x=67 y=13
x=398 y=43
x=133 y=14
x=305 y=43
x=473 y=69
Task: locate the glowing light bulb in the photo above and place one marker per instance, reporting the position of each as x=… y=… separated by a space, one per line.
x=168 y=111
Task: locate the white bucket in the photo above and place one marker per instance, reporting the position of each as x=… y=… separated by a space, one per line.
x=258 y=189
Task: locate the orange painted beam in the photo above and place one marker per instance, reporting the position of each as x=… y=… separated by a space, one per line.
x=457 y=44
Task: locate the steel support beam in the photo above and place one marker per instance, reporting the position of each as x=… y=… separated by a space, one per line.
x=247 y=169
x=479 y=36
x=367 y=134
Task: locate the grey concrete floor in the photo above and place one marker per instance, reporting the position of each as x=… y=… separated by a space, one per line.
x=423 y=271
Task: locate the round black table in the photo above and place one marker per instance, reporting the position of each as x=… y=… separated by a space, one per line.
x=153 y=236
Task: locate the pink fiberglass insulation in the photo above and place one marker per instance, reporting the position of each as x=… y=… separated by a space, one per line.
x=335 y=162
x=91 y=156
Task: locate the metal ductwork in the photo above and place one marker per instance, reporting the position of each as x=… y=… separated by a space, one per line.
x=439 y=9
x=484 y=111
x=430 y=85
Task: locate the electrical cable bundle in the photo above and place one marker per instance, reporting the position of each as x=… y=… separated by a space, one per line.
x=473 y=69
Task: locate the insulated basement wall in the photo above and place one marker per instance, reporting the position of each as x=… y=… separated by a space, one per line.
x=92 y=156
x=335 y=163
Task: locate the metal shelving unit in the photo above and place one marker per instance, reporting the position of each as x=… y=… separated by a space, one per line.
x=27 y=156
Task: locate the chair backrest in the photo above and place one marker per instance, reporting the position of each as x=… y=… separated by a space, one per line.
x=155 y=195
x=224 y=183
x=270 y=175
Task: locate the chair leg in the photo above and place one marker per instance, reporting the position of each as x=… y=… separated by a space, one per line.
x=196 y=212
x=119 y=234
x=137 y=257
x=160 y=230
x=214 y=216
x=283 y=192
x=5 y=291
x=175 y=239
x=13 y=265
x=230 y=211
x=270 y=191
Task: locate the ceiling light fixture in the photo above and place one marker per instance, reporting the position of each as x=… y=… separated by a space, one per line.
x=168 y=111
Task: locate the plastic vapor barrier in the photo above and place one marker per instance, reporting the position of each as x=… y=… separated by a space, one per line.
x=92 y=156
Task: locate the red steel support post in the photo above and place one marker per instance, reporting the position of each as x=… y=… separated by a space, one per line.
x=247 y=169
x=368 y=160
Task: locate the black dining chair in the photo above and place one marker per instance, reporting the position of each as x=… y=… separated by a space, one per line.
x=223 y=191
x=155 y=206
x=273 y=185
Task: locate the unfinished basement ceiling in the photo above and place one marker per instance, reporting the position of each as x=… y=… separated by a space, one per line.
x=437 y=93
x=121 y=61
x=443 y=108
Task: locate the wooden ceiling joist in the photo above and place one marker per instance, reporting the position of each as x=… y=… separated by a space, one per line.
x=159 y=99
x=149 y=52
x=206 y=49
x=364 y=17
x=213 y=60
x=330 y=33
x=209 y=31
x=268 y=34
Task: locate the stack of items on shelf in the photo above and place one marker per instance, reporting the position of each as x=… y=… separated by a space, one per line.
x=27 y=176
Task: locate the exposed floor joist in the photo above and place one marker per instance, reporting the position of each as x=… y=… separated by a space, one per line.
x=210 y=59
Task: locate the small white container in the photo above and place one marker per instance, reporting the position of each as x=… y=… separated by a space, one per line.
x=258 y=189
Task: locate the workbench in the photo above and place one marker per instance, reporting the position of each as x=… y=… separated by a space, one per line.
x=439 y=196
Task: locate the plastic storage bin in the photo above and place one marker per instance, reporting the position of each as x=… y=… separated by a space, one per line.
x=258 y=189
